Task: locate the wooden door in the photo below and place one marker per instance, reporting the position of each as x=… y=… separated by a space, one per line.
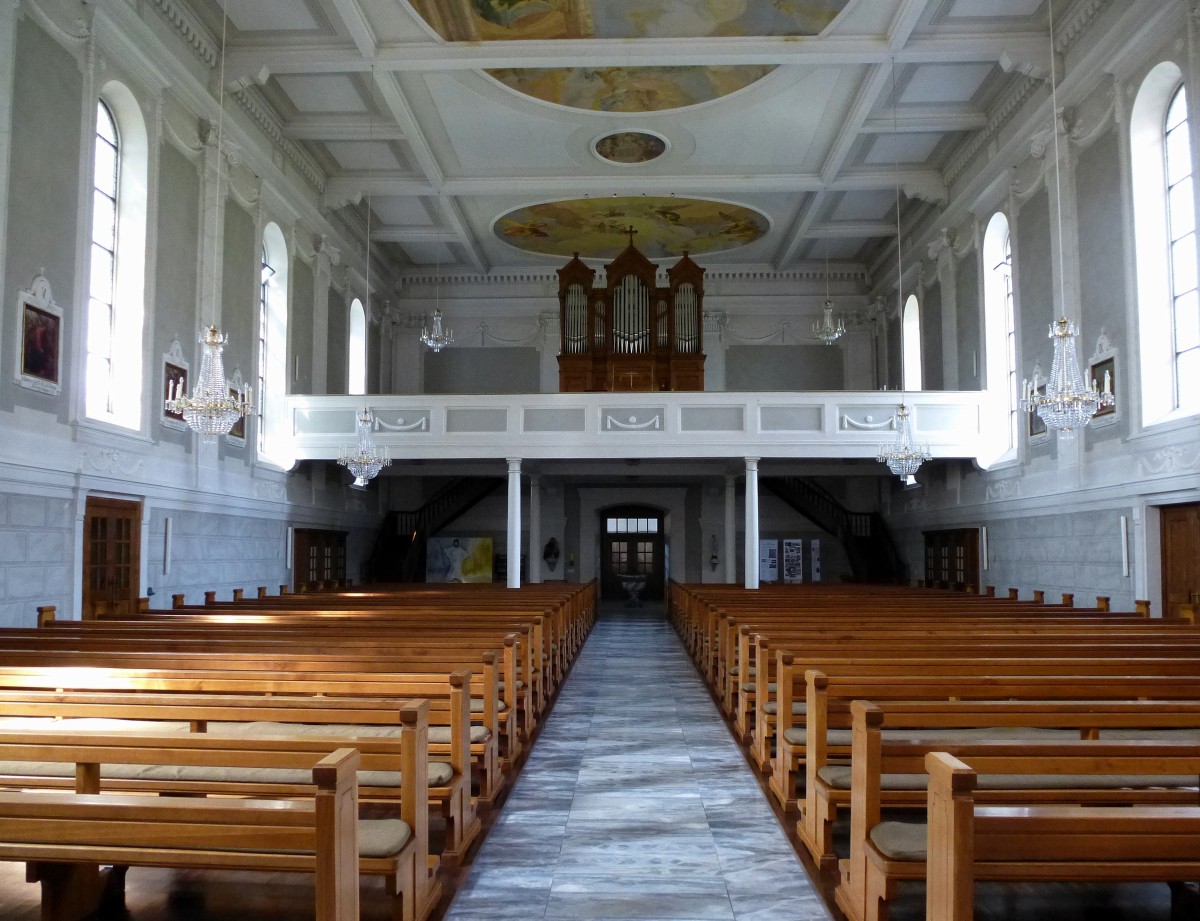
x=112 y=546
x=1180 y=557
x=952 y=558
x=319 y=559
x=632 y=555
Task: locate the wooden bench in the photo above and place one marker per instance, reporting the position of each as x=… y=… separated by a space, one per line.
x=1033 y=843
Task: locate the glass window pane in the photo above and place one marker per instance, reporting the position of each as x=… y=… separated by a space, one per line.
x=1177 y=113
x=1179 y=155
x=105 y=126
x=102 y=274
x=653 y=525
x=1187 y=322
x=1187 y=375
x=99 y=328
x=1183 y=264
x=104 y=220
x=612 y=525
x=1182 y=206
x=106 y=168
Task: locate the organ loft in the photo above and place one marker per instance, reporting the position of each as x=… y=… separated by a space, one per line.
x=631 y=334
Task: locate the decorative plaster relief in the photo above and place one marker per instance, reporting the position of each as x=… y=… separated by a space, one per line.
x=270 y=489
x=1166 y=460
x=421 y=425
x=1008 y=488
x=638 y=420
x=112 y=462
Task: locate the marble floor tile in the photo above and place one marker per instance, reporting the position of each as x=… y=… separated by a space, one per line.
x=636 y=804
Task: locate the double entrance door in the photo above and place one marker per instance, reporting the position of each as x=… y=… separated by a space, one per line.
x=632 y=554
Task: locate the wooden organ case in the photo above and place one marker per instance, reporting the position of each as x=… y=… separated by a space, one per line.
x=632 y=334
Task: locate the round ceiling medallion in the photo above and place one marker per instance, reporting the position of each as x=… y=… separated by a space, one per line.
x=598 y=228
x=630 y=147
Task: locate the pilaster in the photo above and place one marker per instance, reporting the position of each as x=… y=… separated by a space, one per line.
x=8 y=54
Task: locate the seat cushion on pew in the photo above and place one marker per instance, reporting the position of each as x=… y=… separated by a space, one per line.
x=772 y=687
x=799 y=707
x=1151 y=735
x=901 y=840
x=437 y=734
x=439 y=773
x=837 y=776
x=92 y=724
x=382 y=837
x=477 y=705
x=520 y=685
x=797 y=735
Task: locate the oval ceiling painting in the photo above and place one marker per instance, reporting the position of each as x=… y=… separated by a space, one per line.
x=634 y=89
x=630 y=147
x=630 y=89
x=599 y=228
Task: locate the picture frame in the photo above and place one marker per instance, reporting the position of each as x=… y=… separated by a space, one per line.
x=176 y=372
x=1037 y=430
x=39 y=339
x=236 y=435
x=1103 y=364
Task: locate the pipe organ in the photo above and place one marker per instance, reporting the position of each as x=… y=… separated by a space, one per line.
x=631 y=334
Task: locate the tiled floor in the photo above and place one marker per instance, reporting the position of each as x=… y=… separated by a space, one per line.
x=636 y=803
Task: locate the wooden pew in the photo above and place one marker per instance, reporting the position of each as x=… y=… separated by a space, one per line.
x=1094 y=843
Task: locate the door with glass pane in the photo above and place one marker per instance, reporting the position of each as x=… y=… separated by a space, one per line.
x=112 y=532
x=632 y=558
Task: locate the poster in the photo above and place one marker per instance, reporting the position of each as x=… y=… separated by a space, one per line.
x=768 y=561
x=458 y=559
x=793 y=561
x=816 y=560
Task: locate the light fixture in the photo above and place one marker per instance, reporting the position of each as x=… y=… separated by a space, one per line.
x=211 y=410
x=902 y=456
x=1065 y=403
x=828 y=329
x=714 y=561
x=365 y=459
x=439 y=337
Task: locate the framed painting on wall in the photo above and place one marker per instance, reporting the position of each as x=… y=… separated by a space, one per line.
x=39 y=339
x=1037 y=430
x=175 y=381
x=1103 y=371
x=237 y=433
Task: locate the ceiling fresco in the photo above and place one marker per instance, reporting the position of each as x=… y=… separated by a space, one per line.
x=627 y=89
x=599 y=228
x=630 y=89
x=630 y=147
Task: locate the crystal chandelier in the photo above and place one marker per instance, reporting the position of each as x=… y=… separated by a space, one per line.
x=1064 y=402
x=439 y=337
x=828 y=329
x=903 y=457
x=211 y=410
x=1067 y=403
x=364 y=460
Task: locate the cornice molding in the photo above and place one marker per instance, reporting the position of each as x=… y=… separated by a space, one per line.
x=856 y=274
x=264 y=118
x=1075 y=24
x=1002 y=113
x=184 y=21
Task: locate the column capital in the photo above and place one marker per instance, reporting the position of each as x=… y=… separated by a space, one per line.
x=752 y=463
x=514 y=464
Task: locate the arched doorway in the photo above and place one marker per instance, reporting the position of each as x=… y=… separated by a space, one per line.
x=632 y=553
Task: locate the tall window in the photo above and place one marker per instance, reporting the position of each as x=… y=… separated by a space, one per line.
x=357 y=358
x=1181 y=232
x=272 y=349
x=1000 y=329
x=116 y=284
x=910 y=338
x=1164 y=211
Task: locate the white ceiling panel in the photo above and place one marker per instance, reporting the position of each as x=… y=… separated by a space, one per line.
x=272 y=15
x=946 y=83
x=864 y=206
x=990 y=9
x=321 y=93
x=364 y=155
x=410 y=212
x=902 y=148
x=430 y=254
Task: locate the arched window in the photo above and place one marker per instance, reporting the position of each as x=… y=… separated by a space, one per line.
x=910 y=339
x=1000 y=329
x=357 y=359
x=117 y=280
x=272 y=348
x=1165 y=239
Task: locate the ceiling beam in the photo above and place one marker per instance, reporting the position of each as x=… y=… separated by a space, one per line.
x=919 y=183
x=340 y=128
x=357 y=25
x=398 y=234
x=599 y=52
x=800 y=230
x=925 y=119
x=848 y=230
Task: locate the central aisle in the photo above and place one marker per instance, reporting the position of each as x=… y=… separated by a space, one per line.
x=636 y=803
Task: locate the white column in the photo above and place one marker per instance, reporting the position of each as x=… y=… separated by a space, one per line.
x=751 y=522
x=514 y=522
x=535 y=530
x=323 y=265
x=730 y=529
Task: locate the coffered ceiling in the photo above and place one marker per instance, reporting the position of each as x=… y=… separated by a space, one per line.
x=504 y=134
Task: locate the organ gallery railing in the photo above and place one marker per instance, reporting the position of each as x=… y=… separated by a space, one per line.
x=631 y=334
